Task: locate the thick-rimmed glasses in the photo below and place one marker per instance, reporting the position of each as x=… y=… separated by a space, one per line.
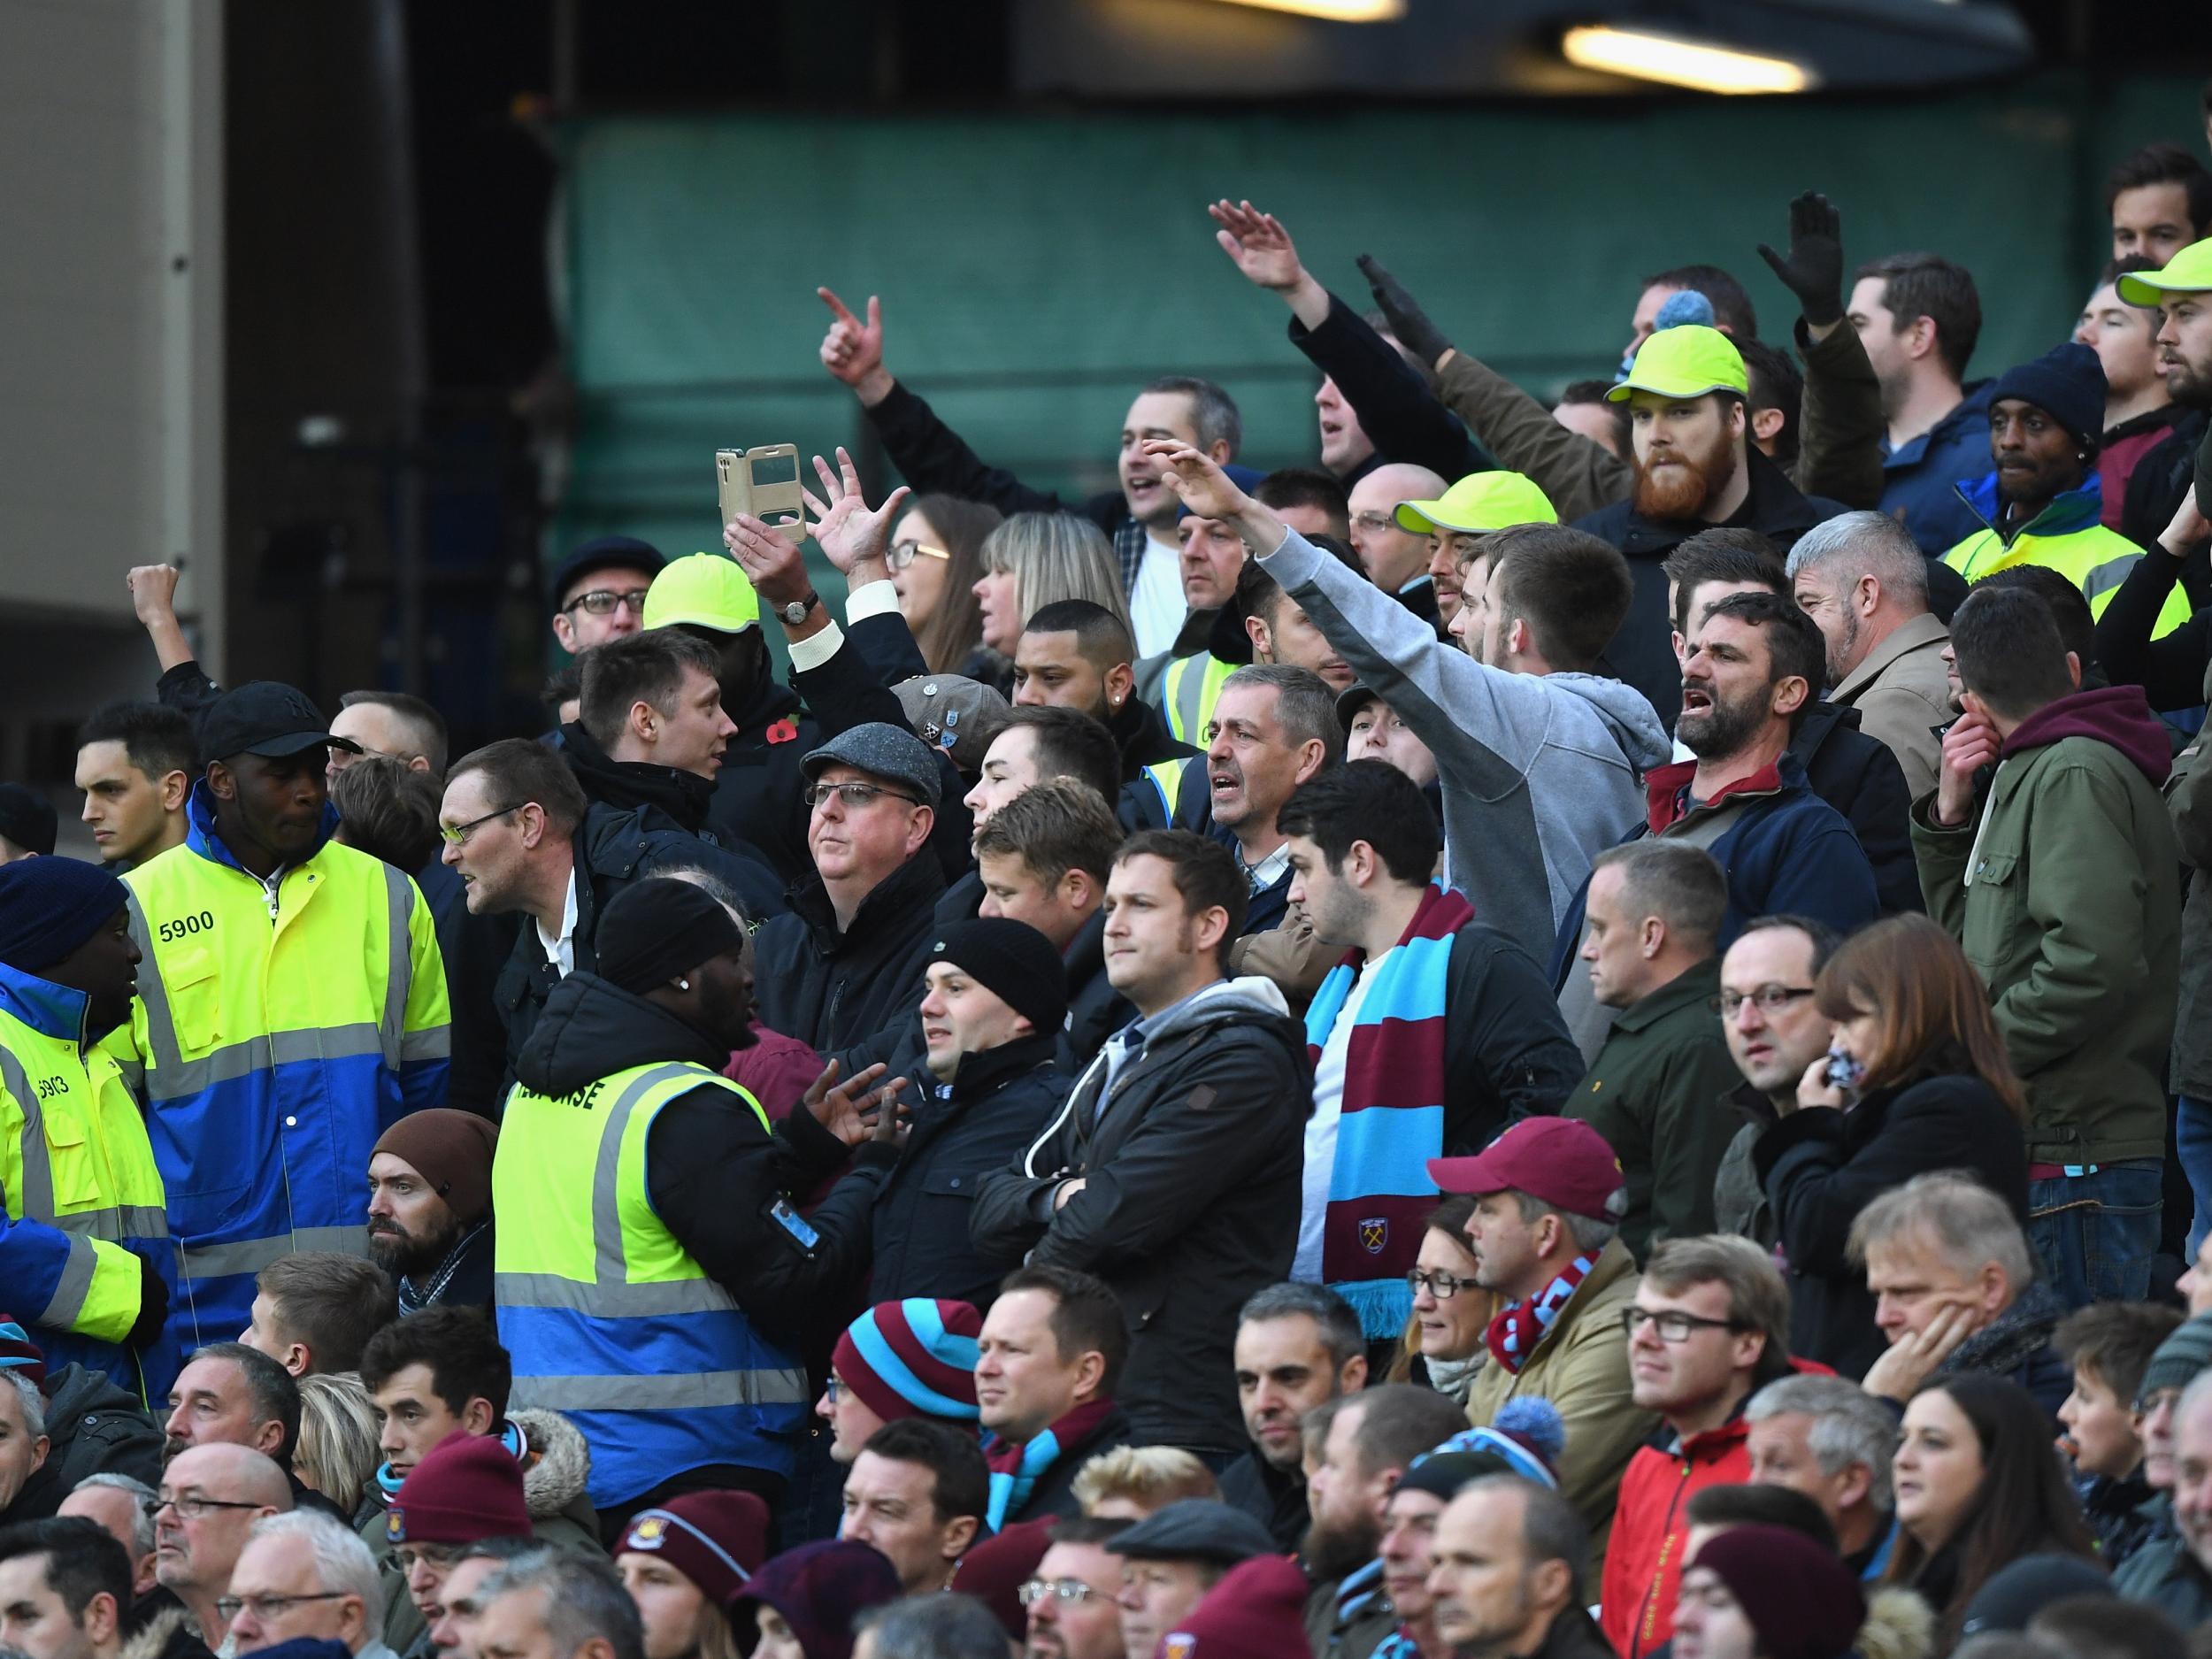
x=1441 y=1284
x=903 y=554
x=601 y=601
x=1672 y=1327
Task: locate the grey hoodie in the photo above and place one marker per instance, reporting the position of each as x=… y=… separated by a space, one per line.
x=1540 y=773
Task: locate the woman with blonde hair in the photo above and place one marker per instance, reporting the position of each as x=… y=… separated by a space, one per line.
x=1916 y=1078
x=936 y=559
x=337 y=1454
x=1035 y=559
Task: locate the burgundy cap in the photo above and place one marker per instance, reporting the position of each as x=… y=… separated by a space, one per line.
x=1560 y=1160
x=716 y=1540
x=1255 y=1612
x=466 y=1487
x=994 y=1570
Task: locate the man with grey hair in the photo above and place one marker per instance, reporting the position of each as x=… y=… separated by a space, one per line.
x=554 y=1604
x=1954 y=1289
x=1862 y=579
x=1273 y=727
x=931 y=1627
x=1298 y=1346
x=1655 y=1089
x=1832 y=1441
x=124 y=1507
x=23 y=1442
x=303 y=1576
x=1510 y=1562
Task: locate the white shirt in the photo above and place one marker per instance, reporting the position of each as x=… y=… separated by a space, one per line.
x=560 y=949
x=1328 y=1109
x=1269 y=871
x=1156 y=603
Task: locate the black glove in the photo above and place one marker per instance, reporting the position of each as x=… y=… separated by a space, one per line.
x=153 y=1306
x=1814 y=270
x=1408 y=320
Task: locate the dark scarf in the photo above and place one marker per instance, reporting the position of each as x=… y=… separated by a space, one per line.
x=1016 y=1466
x=2010 y=1340
x=414 y=1299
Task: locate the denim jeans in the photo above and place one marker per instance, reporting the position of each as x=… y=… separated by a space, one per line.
x=2096 y=1234
x=2193 y=1138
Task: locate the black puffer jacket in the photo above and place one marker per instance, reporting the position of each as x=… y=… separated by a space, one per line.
x=832 y=990
x=1191 y=1166
x=1820 y=1168
x=998 y=1101
x=614 y=848
x=1858 y=776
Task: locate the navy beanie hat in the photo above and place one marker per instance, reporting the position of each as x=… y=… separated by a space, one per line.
x=50 y=906
x=2067 y=383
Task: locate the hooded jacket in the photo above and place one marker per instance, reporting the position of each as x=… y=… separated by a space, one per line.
x=1541 y=772
x=2064 y=892
x=1095 y=1009
x=614 y=848
x=2066 y=537
x=1641 y=652
x=1188 y=1133
x=832 y=989
x=1820 y=1169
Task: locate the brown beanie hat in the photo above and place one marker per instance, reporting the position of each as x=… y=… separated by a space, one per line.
x=452 y=1151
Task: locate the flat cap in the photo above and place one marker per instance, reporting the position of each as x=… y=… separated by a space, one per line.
x=881 y=750
x=1197 y=1529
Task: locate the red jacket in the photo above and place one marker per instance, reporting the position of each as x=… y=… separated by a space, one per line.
x=1643 y=1562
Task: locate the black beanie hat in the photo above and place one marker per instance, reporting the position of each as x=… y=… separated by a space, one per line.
x=2068 y=384
x=660 y=928
x=50 y=906
x=1013 y=960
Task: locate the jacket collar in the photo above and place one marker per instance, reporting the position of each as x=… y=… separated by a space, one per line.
x=1970 y=409
x=1667 y=789
x=911 y=890
x=203 y=838
x=1143 y=737
x=51 y=1009
x=1691 y=988
x=1922 y=632
x=987 y=1069
x=2069 y=511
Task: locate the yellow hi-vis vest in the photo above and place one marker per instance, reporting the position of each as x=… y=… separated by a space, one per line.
x=1188 y=699
x=609 y=1319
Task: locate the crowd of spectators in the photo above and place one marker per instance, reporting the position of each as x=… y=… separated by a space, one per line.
x=1576 y=1030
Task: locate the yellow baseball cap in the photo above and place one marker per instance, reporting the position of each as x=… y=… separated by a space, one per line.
x=1686 y=361
x=707 y=590
x=2188 y=271
x=1479 y=501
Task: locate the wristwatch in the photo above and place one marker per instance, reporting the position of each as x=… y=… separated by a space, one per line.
x=794 y=613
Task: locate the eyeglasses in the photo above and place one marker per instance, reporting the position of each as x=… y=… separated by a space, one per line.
x=1441 y=1284
x=601 y=601
x=832 y=1389
x=265 y=1608
x=855 y=795
x=453 y=834
x=190 y=1506
x=1067 y=1591
x=1771 y=999
x=1374 y=521
x=1673 y=1327
x=904 y=553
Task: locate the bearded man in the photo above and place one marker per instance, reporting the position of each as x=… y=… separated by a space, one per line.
x=430 y=1208
x=1688 y=396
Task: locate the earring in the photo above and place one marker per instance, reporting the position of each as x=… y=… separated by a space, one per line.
x=683 y=985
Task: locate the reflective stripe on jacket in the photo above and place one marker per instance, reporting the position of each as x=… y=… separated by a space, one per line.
x=81 y=1200
x=1187 y=700
x=610 y=1320
x=277 y=1032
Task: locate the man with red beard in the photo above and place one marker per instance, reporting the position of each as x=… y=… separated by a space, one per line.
x=1695 y=467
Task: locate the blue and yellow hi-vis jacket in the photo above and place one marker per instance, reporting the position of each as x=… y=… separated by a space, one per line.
x=2066 y=537
x=280 y=1029
x=80 y=1199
